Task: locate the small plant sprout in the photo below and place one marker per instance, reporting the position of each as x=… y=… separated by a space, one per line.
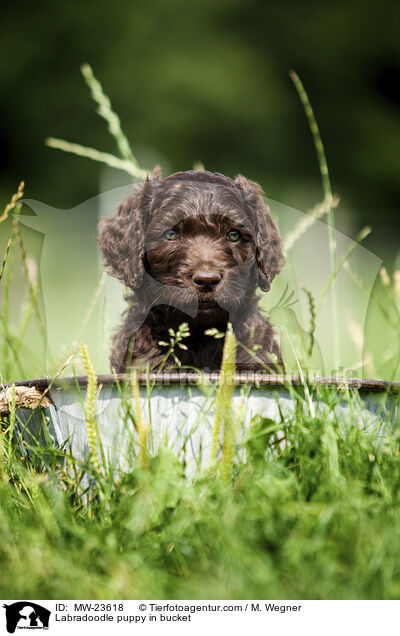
x=214 y=333
x=175 y=340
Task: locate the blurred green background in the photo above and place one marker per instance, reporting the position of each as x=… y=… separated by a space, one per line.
x=209 y=81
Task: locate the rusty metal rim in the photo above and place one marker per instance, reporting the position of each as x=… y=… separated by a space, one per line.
x=173 y=378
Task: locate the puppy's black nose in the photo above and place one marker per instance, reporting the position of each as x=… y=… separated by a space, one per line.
x=206 y=279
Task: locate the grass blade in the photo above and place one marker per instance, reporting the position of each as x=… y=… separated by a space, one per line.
x=91 y=153
x=326 y=184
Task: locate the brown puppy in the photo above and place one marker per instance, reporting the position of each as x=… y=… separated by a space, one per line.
x=193 y=248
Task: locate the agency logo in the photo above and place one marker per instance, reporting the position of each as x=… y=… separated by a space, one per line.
x=26 y=615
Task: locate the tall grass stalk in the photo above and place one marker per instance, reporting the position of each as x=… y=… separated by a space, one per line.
x=311 y=406
x=223 y=406
x=90 y=408
x=12 y=343
x=332 y=278
x=14 y=200
x=105 y=110
x=95 y=155
x=11 y=421
x=9 y=344
x=5 y=257
x=32 y=283
x=313 y=215
x=393 y=321
x=141 y=426
x=127 y=162
x=328 y=197
x=313 y=319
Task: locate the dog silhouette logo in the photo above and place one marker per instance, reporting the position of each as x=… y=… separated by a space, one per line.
x=26 y=615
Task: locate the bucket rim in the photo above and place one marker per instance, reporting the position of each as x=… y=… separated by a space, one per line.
x=185 y=378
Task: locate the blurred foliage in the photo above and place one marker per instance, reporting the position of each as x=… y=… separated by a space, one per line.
x=209 y=80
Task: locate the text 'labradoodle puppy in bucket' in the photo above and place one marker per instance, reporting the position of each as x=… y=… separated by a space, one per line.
x=193 y=247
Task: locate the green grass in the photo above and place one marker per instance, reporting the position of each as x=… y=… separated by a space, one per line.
x=318 y=518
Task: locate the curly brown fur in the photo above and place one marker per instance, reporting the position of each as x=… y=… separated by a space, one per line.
x=193 y=248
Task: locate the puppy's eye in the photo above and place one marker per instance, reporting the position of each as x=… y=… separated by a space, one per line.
x=171 y=235
x=233 y=236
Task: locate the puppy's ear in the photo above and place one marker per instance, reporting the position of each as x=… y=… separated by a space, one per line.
x=121 y=237
x=267 y=238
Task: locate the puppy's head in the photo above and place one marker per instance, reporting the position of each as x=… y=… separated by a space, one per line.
x=206 y=237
